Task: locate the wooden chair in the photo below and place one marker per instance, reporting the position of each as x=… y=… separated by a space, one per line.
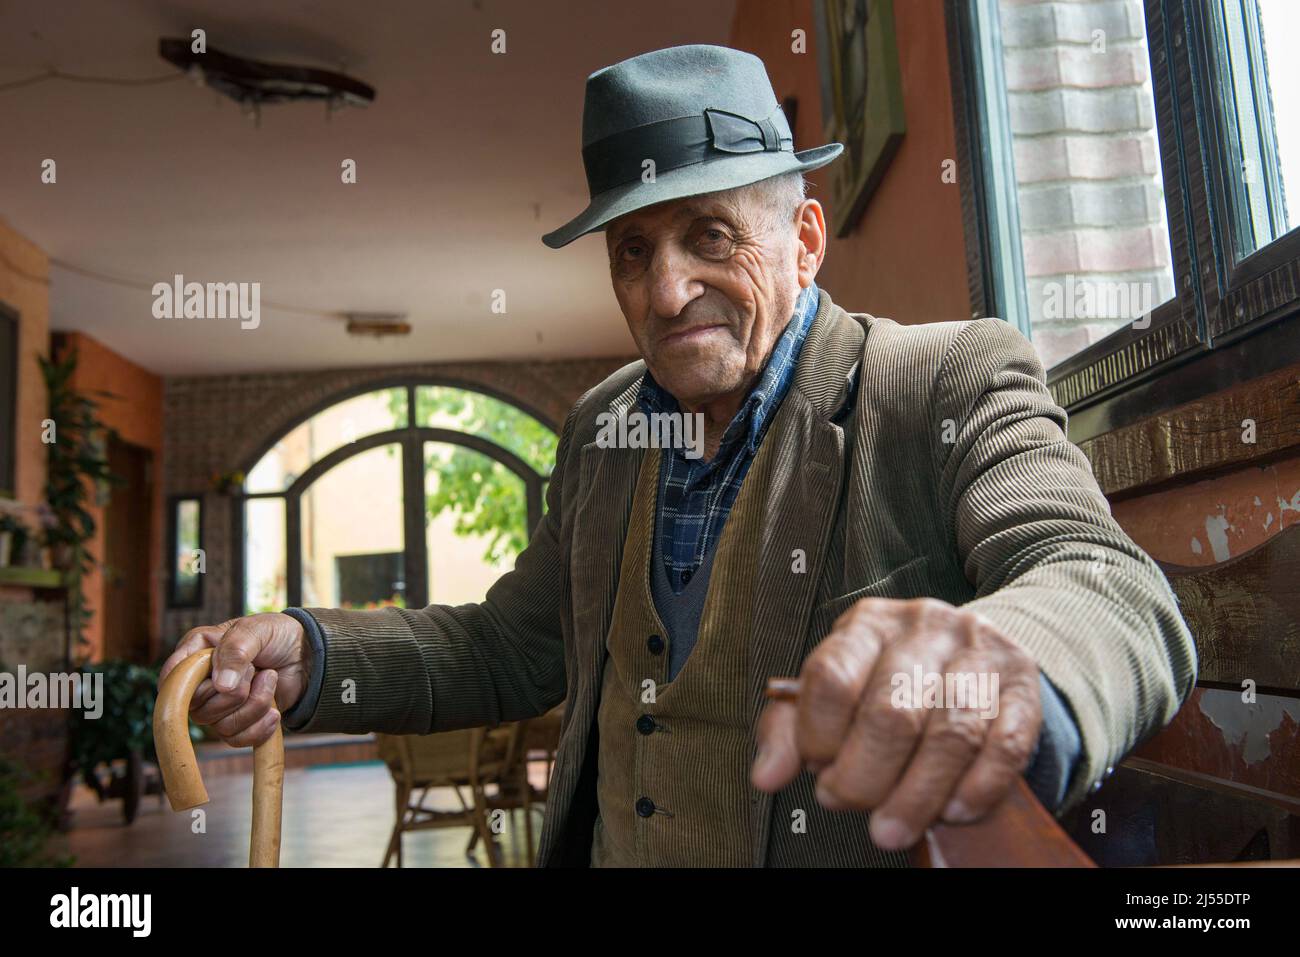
x=1244 y=614
x=541 y=739
x=474 y=758
x=541 y=742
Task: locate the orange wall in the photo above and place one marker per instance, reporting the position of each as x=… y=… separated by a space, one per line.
x=906 y=258
x=136 y=414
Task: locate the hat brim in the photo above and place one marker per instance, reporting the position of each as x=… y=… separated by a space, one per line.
x=711 y=176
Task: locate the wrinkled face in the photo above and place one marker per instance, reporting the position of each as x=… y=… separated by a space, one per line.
x=707 y=285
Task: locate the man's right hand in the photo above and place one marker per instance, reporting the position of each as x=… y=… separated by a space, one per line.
x=259 y=669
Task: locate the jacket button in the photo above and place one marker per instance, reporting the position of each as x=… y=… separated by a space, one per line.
x=646 y=724
x=655 y=644
x=686 y=577
x=645 y=807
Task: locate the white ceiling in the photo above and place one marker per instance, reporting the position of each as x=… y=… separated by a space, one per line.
x=464 y=160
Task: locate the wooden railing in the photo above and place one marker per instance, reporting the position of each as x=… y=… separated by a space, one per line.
x=1245 y=616
x=1020 y=832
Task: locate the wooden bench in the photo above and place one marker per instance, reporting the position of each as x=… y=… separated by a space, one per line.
x=1244 y=614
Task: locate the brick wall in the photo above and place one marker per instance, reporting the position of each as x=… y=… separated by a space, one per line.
x=217 y=424
x=1092 y=214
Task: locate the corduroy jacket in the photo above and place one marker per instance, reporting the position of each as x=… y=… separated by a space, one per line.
x=946 y=473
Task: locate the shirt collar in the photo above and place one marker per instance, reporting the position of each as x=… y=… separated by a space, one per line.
x=754 y=415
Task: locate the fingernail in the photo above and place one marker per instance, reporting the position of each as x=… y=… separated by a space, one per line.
x=957 y=812
x=227 y=680
x=891 y=834
x=825 y=798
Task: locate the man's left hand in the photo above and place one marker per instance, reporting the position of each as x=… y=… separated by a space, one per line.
x=911 y=766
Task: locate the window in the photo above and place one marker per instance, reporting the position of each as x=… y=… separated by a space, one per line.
x=1257 y=70
x=1126 y=169
x=368 y=581
x=185 y=545
x=266 y=572
x=363 y=505
x=354 y=509
x=331 y=429
x=1073 y=174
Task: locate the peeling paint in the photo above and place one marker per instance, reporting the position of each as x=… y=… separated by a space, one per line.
x=1293 y=504
x=1268 y=521
x=1216 y=527
x=1257 y=501
x=1196 y=545
x=1248 y=725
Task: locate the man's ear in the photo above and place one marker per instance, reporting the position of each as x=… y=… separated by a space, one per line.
x=811 y=224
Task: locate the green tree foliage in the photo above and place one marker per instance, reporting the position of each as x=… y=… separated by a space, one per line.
x=486 y=498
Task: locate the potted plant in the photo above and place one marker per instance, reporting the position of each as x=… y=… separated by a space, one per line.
x=13 y=534
x=24 y=830
x=37 y=555
x=115 y=752
x=78 y=463
x=226 y=483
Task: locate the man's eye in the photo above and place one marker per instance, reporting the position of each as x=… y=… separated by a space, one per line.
x=714 y=241
x=631 y=252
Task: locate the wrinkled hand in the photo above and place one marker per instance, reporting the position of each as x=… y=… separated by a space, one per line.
x=858 y=726
x=259 y=669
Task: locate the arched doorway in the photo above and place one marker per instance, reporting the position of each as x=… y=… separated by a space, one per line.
x=412 y=493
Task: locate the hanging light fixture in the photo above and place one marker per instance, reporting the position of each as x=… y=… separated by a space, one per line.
x=252 y=83
x=378 y=324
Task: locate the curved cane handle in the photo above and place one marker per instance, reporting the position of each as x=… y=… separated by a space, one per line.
x=180 y=768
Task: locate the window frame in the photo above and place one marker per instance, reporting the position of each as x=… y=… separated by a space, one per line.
x=1229 y=321
x=1263 y=286
x=173 y=535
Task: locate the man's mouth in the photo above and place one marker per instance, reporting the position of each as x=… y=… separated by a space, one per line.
x=690 y=335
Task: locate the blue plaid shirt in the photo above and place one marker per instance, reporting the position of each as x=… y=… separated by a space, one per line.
x=695 y=496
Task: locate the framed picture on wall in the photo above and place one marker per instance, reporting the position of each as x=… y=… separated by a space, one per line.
x=862 y=99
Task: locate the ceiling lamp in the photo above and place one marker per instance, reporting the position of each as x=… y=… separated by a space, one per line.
x=378 y=324
x=252 y=83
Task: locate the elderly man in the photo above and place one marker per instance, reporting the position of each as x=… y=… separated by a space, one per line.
x=879 y=509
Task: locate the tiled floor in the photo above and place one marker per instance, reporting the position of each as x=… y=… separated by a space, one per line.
x=334 y=816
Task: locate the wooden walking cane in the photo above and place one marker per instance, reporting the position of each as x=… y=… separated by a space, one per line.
x=180 y=768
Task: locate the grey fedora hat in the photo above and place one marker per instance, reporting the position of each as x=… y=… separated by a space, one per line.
x=706 y=116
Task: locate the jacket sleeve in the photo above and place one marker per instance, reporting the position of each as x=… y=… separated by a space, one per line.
x=1051 y=567
x=405 y=671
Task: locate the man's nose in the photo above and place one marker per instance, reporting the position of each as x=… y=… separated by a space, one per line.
x=670 y=283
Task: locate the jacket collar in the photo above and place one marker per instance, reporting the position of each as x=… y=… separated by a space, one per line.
x=828 y=365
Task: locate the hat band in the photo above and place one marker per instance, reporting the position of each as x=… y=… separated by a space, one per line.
x=683 y=141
